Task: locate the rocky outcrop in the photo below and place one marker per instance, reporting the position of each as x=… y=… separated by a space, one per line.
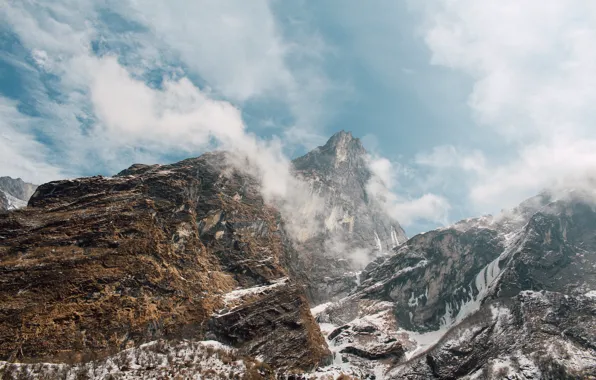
x=555 y=251
x=97 y=265
x=273 y=328
x=353 y=227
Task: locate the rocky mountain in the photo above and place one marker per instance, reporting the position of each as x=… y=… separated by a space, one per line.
x=182 y=252
x=184 y=271
x=14 y=193
x=354 y=228
x=506 y=297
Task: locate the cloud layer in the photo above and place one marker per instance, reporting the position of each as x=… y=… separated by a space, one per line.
x=533 y=65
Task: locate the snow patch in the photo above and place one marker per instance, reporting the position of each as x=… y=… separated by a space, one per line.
x=238 y=294
x=394 y=238
x=14 y=202
x=423 y=341
x=317 y=310
x=153 y=360
x=378 y=240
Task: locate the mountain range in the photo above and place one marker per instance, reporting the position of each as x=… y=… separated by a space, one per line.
x=185 y=271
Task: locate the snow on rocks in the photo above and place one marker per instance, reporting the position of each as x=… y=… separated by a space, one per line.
x=155 y=360
x=239 y=296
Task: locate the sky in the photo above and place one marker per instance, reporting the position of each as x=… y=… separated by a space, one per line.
x=466 y=107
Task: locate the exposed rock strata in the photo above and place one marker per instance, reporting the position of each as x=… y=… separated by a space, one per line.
x=97 y=265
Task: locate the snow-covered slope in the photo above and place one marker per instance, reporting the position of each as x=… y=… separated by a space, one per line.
x=478 y=298
x=13 y=203
x=186 y=359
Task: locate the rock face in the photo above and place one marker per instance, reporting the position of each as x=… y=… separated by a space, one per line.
x=432 y=275
x=183 y=251
x=534 y=335
x=485 y=298
x=4 y=204
x=354 y=228
x=14 y=193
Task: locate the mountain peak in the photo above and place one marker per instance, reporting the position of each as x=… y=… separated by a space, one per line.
x=342 y=144
x=342 y=148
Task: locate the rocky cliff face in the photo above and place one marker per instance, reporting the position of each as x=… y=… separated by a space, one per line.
x=14 y=193
x=185 y=251
x=353 y=227
x=534 y=335
x=485 y=298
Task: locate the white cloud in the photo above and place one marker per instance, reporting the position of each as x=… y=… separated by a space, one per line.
x=178 y=116
x=534 y=68
x=20 y=154
x=383 y=170
x=236 y=47
x=564 y=163
x=383 y=187
x=448 y=156
x=240 y=50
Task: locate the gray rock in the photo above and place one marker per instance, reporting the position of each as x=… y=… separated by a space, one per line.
x=355 y=229
x=14 y=193
x=511 y=296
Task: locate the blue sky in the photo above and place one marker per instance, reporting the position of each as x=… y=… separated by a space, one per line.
x=466 y=107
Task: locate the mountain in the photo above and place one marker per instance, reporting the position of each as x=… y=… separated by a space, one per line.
x=14 y=193
x=177 y=253
x=354 y=228
x=184 y=271
x=486 y=298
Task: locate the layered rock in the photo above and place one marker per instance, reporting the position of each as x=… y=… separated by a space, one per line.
x=97 y=265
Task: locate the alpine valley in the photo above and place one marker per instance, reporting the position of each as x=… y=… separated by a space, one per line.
x=185 y=271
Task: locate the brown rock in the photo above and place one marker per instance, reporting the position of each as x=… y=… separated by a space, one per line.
x=96 y=265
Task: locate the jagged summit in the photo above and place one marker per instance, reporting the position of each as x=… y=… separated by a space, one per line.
x=341 y=150
x=342 y=143
x=354 y=228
